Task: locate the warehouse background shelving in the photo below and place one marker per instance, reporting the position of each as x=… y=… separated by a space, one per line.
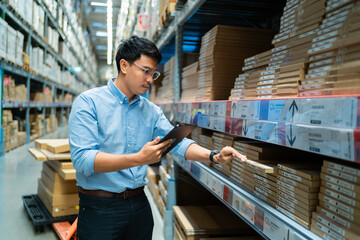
x=320 y=125
x=66 y=66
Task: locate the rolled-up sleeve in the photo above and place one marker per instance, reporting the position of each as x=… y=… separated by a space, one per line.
x=83 y=134
x=163 y=127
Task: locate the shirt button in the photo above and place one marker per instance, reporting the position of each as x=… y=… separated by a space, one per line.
x=128 y=145
x=135 y=179
x=120 y=102
x=128 y=127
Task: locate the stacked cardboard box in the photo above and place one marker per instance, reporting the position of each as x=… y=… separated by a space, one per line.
x=50 y=123
x=36 y=125
x=298 y=26
x=254 y=81
x=11 y=44
x=298 y=189
x=9 y=88
x=190 y=82
x=11 y=131
x=338 y=212
x=259 y=173
x=19 y=48
x=222 y=140
x=223 y=50
x=334 y=56
x=57 y=186
x=166 y=91
x=196 y=222
x=21 y=92
x=162 y=184
x=68 y=98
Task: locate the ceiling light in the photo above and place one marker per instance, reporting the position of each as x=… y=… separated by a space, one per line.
x=98 y=4
x=109 y=31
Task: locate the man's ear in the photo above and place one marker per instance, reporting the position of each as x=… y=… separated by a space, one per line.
x=123 y=66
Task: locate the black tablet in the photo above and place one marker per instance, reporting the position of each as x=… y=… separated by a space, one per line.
x=178 y=133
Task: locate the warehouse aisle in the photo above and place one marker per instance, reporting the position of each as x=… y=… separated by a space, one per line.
x=19 y=173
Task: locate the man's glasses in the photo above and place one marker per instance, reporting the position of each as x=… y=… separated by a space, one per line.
x=149 y=72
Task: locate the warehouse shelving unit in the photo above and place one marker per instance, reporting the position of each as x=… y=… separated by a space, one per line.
x=318 y=125
x=30 y=78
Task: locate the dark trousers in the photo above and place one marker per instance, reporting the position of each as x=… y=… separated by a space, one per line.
x=114 y=218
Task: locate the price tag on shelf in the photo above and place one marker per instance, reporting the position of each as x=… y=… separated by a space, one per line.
x=6 y=81
x=217 y=187
x=46 y=90
x=143 y=22
x=295 y=236
x=274 y=229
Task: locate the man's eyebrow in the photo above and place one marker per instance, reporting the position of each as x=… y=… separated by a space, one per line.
x=148 y=67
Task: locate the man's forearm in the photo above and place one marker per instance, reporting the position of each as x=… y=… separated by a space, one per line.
x=197 y=153
x=106 y=162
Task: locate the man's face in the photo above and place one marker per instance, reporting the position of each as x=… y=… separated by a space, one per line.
x=136 y=80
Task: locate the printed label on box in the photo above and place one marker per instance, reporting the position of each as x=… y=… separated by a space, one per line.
x=245 y=109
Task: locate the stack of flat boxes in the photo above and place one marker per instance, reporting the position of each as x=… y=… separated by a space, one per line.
x=50 y=123
x=162 y=184
x=166 y=91
x=223 y=50
x=298 y=189
x=252 y=79
x=334 y=56
x=338 y=213
x=153 y=179
x=259 y=172
x=298 y=26
x=190 y=82
x=36 y=125
x=9 y=88
x=59 y=196
x=220 y=141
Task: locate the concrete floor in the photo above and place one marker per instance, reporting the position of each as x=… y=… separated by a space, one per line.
x=19 y=172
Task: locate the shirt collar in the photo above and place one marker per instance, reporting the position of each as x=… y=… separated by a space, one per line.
x=120 y=96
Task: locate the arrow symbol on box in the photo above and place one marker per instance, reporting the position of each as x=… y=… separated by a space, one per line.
x=245 y=129
x=292 y=108
x=291 y=139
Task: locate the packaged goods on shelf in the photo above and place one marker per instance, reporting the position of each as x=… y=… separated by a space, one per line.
x=223 y=50
x=50 y=123
x=338 y=212
x=36 y=61
x=53 y=38
x=277 y=73
x=333 y=57
x=21 y=92
x=296 y=182
x=3 y=38
x=190 y=82
x=36 y=125
x=166 y=91
x=19 y=48
x=9 y=91
x=11 y=44
x=28 y=11
x=195 y=222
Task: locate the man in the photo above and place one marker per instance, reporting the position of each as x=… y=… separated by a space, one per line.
x=114 y=134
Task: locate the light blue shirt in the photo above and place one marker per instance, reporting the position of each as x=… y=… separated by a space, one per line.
x=102 y=120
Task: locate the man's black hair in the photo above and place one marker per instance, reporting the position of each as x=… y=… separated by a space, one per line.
x=132 y=48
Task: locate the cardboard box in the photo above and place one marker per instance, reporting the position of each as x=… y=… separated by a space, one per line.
x=345 y=199
x=58 y=205
x=56 y=184
x=342 y=167
x=3 y=38
x=314 y=187
x=339 y=207
x=304 y=223
x=348 y=234
x=298 y=178
x=323 y=231
x=340 y=182
x=340 y=189
x=339 y=220
x=342 y=175
x=11 y=44
x=297 y=193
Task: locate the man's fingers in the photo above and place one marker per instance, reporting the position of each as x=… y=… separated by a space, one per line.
x=239 y=156
x=163 y=144
x=155 y=141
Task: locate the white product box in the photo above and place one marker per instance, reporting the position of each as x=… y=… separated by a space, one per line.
x=19 y=47
x=35 y=16
x=28 y=11
x=11 y=44
x=20 y=8
x=3 y=37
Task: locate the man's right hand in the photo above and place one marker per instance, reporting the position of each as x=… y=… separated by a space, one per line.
x=151 y=152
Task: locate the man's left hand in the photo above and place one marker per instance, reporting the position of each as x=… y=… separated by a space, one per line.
x=227 y=154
